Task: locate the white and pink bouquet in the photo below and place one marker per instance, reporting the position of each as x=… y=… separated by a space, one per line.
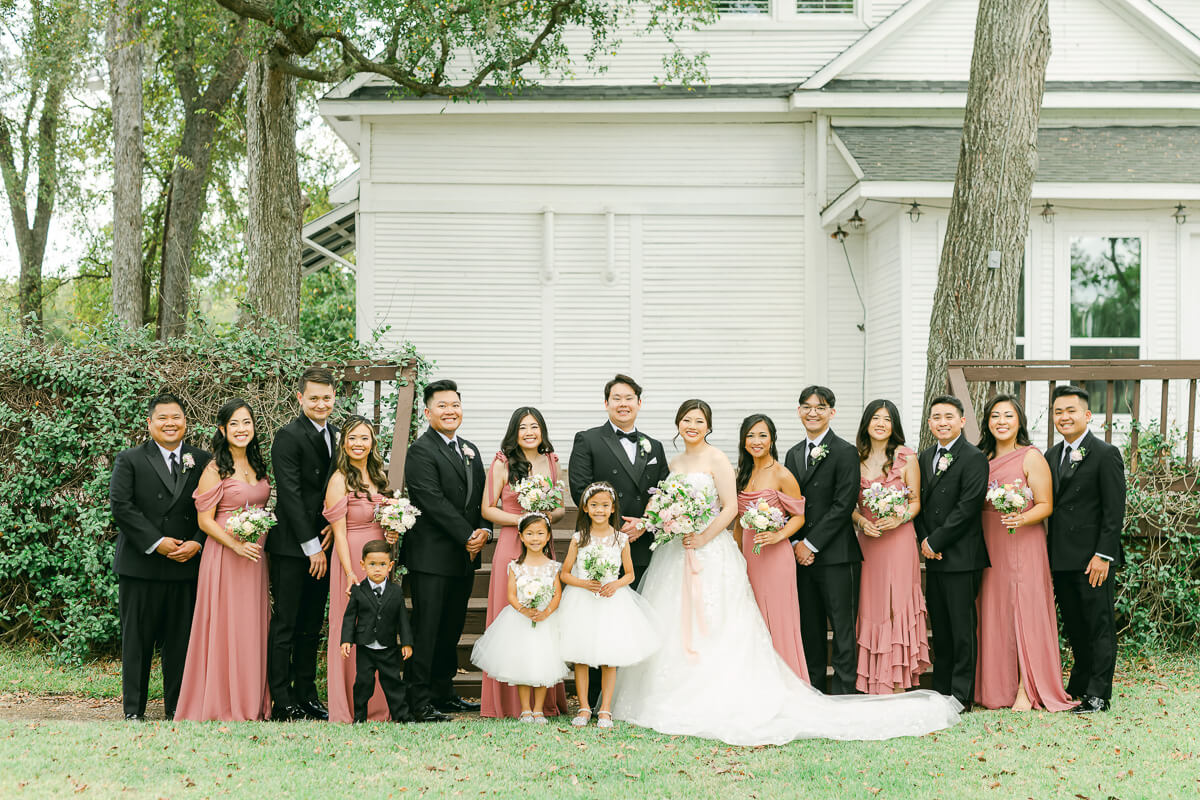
x=762 y=518
x=678 y=508
x=885 y=501
x=1009 y=498
x=250 y=524
x=534 y=592
x=539 y=493
x=397 y=514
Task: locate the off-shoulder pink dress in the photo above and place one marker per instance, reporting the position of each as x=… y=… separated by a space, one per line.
x=893 y=626
x=361 y=527
x=772 y=575
x=1018 y=628
x=225 y=675
x=500 y=699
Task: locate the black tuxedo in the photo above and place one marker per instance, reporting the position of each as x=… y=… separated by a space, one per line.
x=302 y=462
x=156 y=595
x=1089 y=514
x=448 y=489
x=384 y=620
x=597 y=455
x=951 y=519
x=828 y=588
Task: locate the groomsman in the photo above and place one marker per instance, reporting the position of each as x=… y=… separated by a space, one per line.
x=302 y=458
x=828 y=559
x=954 y=481
x=156 y=558
x=445 y=478
x=1085 y=544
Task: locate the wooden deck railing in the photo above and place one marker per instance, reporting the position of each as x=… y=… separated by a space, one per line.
x=377 y=373
x=1020 y=374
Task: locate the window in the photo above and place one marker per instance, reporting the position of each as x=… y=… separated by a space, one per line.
x=1106 y=308
x=824 y=6
x=725 y=7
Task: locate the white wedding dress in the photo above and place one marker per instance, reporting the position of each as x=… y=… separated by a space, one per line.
x=733 y=686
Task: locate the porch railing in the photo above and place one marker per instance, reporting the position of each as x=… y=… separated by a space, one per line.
x=376 y=374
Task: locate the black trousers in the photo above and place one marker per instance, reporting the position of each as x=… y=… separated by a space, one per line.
x=153 y=614
x=297 y=615
x=389 y=665
x=829 y=601
x=954 y=620
x=439 y=604
x=1090 y=627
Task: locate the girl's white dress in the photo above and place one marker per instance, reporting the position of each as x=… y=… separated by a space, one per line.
x=605 y=631
x=513 y=649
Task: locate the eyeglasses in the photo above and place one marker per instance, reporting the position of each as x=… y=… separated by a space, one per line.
x=805 y=409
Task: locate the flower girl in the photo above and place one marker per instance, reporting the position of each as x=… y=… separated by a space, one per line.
x=521 y=646
x=603 y=622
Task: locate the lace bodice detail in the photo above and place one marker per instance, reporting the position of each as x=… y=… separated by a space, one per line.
x=531 y=578
x=599 y=549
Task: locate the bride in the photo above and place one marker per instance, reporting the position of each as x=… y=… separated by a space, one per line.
x=717 y=675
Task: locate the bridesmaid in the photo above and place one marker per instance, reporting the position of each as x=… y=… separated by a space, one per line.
x=225 y=675
x=355 y=488
x=893 y=629
x=1019 y=662
x=772 y=571
x=525 y=450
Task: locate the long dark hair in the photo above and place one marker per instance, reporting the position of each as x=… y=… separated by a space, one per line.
x=863 y=439
x=518 y=465
x=527 y=520
x=693 y=405
x=222 y=455
x=745 y=460
x=987 y=441
x=583 y=522
x=354 y=481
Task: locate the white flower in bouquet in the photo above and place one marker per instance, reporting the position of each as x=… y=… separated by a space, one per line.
x=397 y=514
x=885 y=501
x=677 y=508
x=1009 y=498
x=598 y=565
x=250 y=524
x=762 y=518
x=534 y=592
x=539 y=493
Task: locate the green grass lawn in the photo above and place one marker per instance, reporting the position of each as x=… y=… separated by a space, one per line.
x=1148 y=746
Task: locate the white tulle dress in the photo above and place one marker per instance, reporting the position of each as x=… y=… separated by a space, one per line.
x=514 y=649
x=604 y=631
x=732 y=685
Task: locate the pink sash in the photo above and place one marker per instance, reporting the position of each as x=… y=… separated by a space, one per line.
x=693 y=594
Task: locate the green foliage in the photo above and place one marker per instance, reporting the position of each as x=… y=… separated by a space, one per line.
x=327 y=305
x=67 y=408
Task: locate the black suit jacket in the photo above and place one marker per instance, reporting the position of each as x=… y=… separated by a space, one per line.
x=830 y=491
x=148 y=505
x=376 y=619
x=1089 y=506
x=951 y=515
x=597 y=455
x=302 y=465
x=450 y=496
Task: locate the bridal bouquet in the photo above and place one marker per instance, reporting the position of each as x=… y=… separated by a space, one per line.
x=1009 y=498
x=250 y=524
x=539 y=493
x=534 y=592
x=885 y=501
x=598 y=565
x=762 y=518
x=677 y=508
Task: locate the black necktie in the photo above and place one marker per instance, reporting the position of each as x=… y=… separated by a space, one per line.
x=1065 y=465
x=455 y=448
x=174 y=468
x=379 y=592
x=327 y=438
x=808 y=459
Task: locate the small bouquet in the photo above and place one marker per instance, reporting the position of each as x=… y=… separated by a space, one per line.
x=534 y=592
x=539 y=493
x=678 y=508
x=598 y=565
x=885 y=501
x=1009 y=498
x=762 y=518
x=250 y=524
x=397 y=514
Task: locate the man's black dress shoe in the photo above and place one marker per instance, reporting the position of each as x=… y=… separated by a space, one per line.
x=1090 y=704
x=134 y=718
x=455 y=705
x=286 y=713
x=430 y=714
x=312 y=709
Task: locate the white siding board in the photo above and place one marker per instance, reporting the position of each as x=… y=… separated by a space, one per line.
x=838 y=174
x=845 y=347
x=885 y=315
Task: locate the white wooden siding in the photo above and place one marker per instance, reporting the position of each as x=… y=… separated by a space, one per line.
x=845 y=348
x=883 y=289
x=838 y=174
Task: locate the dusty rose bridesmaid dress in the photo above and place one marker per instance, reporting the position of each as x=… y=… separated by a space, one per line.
x=772 y=575
x=500 y=699
x=225 y=675
x=892 y=630
x=361 y=527
x=1018 y=628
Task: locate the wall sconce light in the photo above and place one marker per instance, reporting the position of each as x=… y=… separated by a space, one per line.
x=839 y=235
x=1180 y=214
x=1048 y=213
x=856 y=221
x=914 y=211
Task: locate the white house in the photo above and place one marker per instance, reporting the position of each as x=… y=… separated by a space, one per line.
x=535 y=246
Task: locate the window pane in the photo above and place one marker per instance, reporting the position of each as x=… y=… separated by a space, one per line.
x=743 y=6
x=825 y=6
x=1106 y=286
x=1020 y=352
x=1122 y=390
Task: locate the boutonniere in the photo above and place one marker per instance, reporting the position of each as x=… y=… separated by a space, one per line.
x=944 y=462
x=467 y=452
x=188 y=461
x=1077 y=456
x=644 y=444
x=819 y=452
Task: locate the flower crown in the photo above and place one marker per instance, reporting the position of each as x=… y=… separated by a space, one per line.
x=596 y=488
x=525 y=518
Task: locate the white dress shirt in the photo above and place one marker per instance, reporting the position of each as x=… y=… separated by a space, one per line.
x=629 y=447
x=811 y=443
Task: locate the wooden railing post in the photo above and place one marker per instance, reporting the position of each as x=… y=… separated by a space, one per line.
x=960 y=389
x=406 y=398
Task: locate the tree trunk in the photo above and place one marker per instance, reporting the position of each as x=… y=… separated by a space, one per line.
x=125 y=87
x=975 y=307
x=273 y=226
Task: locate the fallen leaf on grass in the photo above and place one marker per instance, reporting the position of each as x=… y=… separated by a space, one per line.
x=631 y=775
x=434 y=768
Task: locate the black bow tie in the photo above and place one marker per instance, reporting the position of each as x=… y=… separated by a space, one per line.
x=631 y=435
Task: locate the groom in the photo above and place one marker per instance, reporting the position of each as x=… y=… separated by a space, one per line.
x=827 y=554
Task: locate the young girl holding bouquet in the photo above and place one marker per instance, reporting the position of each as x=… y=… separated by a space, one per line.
x=521 y=646
x=604 y=622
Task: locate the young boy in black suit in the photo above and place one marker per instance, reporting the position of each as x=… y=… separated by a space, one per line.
x=375 y=619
